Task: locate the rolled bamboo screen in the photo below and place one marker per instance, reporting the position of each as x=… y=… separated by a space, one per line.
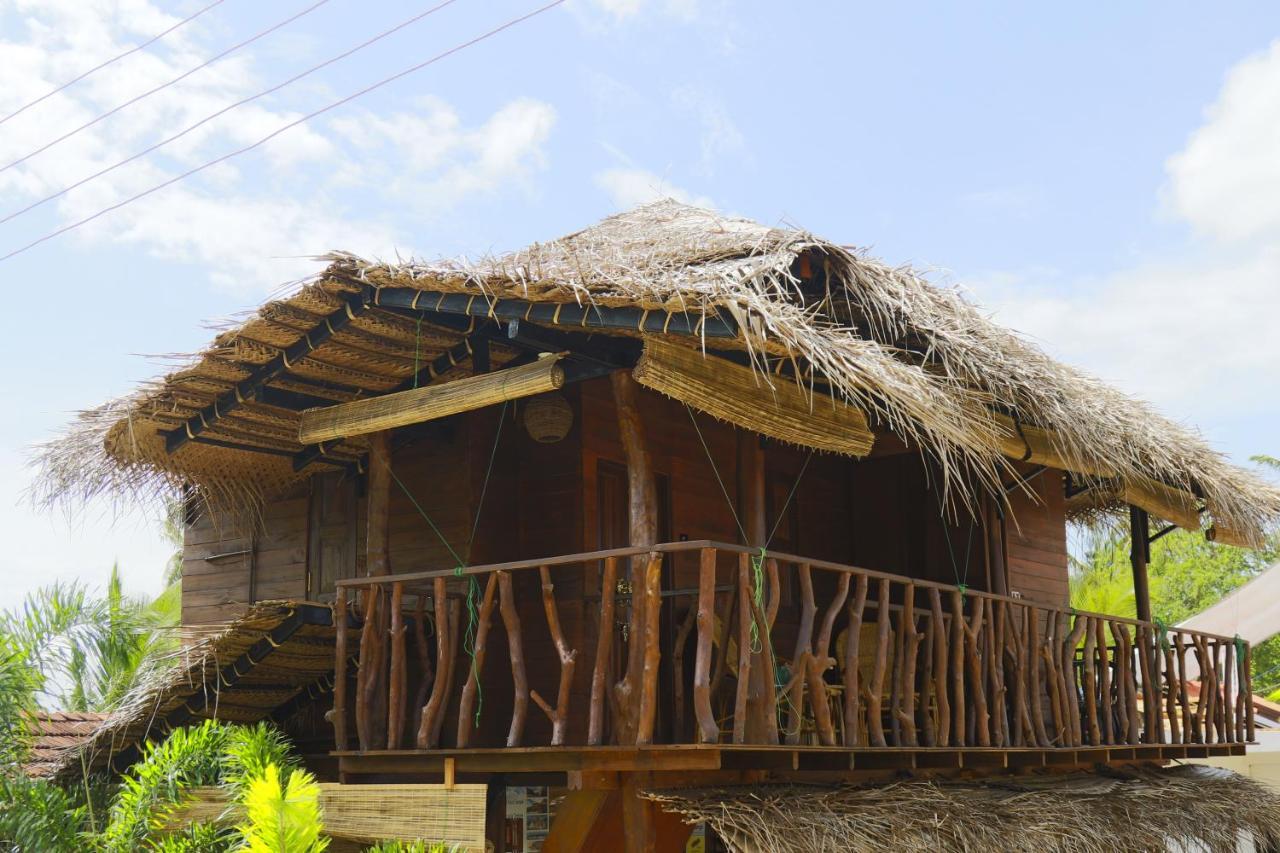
x=1226 y=536
x=430 y=402
x=1173 y=505
x=744 y=398
x=1040 y=447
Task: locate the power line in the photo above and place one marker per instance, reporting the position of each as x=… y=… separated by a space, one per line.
x=334 y=105
x=166 y=85
x=111 y=61
x=144 y=152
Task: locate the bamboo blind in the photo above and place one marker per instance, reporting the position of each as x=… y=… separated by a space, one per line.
x=1040 y=447
x=744 y=398
x=430 y=402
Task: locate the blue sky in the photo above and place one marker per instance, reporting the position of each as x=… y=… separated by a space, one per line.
x=1104 y=177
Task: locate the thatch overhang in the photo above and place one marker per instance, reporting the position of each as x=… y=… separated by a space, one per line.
x=918 y=359
x=266 y=664
x=54 y=735
x=1132 y=810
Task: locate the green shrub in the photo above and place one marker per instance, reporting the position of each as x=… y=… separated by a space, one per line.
x=282 y=816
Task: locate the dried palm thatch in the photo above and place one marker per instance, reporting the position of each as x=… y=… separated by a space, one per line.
x=199 y=671
x=1143 y=811
x=918 y=358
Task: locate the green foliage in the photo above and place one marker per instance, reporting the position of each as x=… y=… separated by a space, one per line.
x=1187 y=574
x=250 y=750
x=196 y=838
x=155 y=785
x=282 y=816
x=18 y=684
x=37 y=815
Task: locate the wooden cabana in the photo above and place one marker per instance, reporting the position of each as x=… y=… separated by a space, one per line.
x=680 y=500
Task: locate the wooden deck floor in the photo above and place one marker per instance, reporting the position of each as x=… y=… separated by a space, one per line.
x=788 y=760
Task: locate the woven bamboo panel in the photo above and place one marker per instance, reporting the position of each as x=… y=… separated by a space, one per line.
x=431 y=402
x=744 y=398
x=430 y=812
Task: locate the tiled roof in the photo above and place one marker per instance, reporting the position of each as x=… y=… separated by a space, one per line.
x=56 y=732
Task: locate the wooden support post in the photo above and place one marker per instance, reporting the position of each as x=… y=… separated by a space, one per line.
x=447 y=677
x=424 y=661
x=820 y=661
x=1035 y=696
x=910 y=646
x=957 y=668
x=995 y=531
x=559 y=715
x=762 y=703
x=1128 y=680
x=1104 y=682
x=852 y=694
x=972 y=629
x=992 y=657
x=640 y=678
x=1228 y=697
x=395 y=688
x=677 y=669
x=928 y=721
x=708 y=731
x=515 y=643
x=338 y=716
x=604 y=647
x=472 y=685
x=1139 y=556
x=1089 y=681
x=744 y=648
x=652 y=591
x=940 y=661
x=1150 y=701
x=439 y=686
x=1250 y=726
x=875 y=690
x=804 y=644
x=450 y=772
x=367 y=681
x=1078 y=628
x=1019 y=717
x=1190 y=730
x=1171 y=693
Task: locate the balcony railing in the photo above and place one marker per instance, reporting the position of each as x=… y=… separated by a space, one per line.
x=863 y=660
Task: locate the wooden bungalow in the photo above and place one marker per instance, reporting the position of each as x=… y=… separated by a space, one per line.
x=667 y=507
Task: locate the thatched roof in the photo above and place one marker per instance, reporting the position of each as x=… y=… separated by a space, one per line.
x=919 y=358
x=275 y=656
x=54 y=735
x=1138 y=810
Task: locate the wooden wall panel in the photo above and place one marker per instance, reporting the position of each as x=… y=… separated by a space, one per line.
x=1037 y=541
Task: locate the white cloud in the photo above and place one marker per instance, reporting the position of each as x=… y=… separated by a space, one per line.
x=244 y=222
x=598 y=13
x=630 y=187
x=1195 y=332
x=1226 y=181
x=718 y=136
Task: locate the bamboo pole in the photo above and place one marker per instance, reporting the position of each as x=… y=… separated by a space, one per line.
x=472 y=685
x=852 y=695
x=338 y=716
x=515 y=643
x=559 y=715
x=875 y=728
x=708 y=730
x=604 y=645
x=396 y=686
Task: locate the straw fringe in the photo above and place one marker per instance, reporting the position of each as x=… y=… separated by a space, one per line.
x=1131 y=811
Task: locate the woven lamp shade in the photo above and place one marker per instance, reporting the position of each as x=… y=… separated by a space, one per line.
x=548 y=418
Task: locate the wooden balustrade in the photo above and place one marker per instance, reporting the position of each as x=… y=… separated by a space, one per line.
x=871 y=660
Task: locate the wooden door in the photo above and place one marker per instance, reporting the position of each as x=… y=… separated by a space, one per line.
x=331 y=533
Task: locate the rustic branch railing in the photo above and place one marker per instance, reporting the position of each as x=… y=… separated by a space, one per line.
x=880 y=661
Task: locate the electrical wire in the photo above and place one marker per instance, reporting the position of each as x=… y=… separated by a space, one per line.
x=184 y=75
x=111 y=61
x=295 y=78
x=245 y=149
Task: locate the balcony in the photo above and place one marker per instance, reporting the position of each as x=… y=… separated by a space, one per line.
x=766 y=661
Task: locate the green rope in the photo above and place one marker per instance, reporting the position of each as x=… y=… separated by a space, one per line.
x=728 y=500
x=1163 y=628
x=1240 y=644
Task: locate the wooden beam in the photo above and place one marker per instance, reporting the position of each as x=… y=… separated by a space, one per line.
x=567 y=315
x=430 y=403
x=249 y=389
x=1139 y=555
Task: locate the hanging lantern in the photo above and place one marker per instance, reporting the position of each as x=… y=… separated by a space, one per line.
x=548 y=417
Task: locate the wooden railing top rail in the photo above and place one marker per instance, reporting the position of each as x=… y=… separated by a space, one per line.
x=700 y=544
